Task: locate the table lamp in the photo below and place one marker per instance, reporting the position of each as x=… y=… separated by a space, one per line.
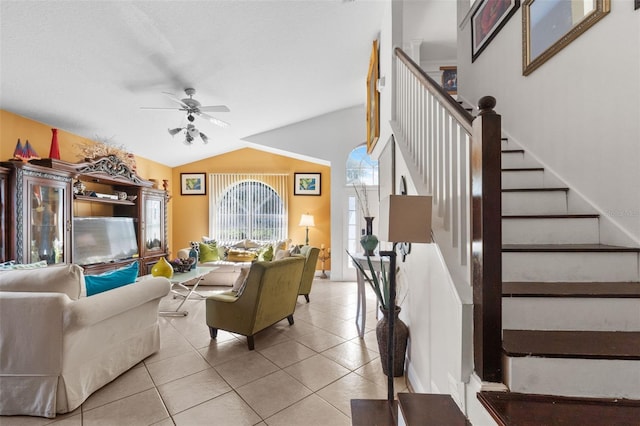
x=306 y=220
x=403 y=219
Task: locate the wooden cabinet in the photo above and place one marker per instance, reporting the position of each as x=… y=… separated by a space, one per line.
x=146 y=205
x=4 y=208
x=40 y=214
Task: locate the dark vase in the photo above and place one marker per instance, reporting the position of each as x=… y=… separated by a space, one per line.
x=370 y=246
x=401 y=334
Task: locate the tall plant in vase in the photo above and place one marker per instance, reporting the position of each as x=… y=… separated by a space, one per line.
x=380 y=285
x=368 y=241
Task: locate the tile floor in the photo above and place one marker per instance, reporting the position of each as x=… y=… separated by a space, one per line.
x=304 y=374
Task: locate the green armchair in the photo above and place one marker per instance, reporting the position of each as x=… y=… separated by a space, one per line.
x=311 y=259
x=269 y=295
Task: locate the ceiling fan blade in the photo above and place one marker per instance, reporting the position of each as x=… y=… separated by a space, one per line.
x=174 y=99
x=169 y=109
x=214 y=108
x=213 y=119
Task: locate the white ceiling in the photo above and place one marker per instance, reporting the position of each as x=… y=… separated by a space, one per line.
x=88 y=66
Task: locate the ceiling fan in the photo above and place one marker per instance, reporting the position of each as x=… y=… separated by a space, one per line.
x=193 y=107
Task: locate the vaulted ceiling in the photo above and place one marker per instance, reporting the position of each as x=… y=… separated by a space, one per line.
x=88 y=67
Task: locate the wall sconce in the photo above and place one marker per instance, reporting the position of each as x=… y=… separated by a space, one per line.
x=403 y=219
x=306 y=220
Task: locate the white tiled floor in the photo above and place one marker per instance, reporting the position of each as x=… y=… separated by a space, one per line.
x=304 y=374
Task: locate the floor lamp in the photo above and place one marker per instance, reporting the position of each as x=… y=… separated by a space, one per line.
x=403 y=219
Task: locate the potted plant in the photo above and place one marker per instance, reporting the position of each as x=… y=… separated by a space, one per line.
x=380 y=285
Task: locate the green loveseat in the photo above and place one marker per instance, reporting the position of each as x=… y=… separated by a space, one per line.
x=269 y=295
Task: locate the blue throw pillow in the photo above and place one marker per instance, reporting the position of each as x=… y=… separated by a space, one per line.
x=113 y=279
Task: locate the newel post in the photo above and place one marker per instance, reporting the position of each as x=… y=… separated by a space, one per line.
x=486 y=237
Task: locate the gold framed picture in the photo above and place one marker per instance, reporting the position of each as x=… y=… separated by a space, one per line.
x=373 y=100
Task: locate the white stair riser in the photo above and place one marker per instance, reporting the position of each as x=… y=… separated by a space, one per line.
x=574 y=377
x=534 y=202
x=511 y=160
x=565 y=313
x=550 y=231
x=523 y=179
x=570 y=266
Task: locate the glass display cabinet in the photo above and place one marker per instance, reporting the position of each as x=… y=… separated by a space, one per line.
x=41 y=212
x=153 y=238
x=4 y=205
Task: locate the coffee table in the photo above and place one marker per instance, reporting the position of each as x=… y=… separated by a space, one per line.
x=179 y=279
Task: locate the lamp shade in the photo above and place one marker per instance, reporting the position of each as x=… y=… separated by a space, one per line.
x=405 y=219
x=306 y=220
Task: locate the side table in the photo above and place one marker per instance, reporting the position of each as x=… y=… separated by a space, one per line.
x=361 y=310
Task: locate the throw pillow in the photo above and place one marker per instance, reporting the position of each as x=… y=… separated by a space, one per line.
x=244 y=283
x=266 y=254
x=294 y=249
x=242 y=277
x=209 y=252
x=240 y=256
x=112 y=279
x=281 y=254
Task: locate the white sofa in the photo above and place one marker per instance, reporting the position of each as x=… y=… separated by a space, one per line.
x=57 y=346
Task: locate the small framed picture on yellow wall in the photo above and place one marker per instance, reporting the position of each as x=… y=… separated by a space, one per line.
x=193 y=184
x=306 y=184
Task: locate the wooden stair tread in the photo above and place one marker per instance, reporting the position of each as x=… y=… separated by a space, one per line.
x=551 y=216
x=572 y=344
x=373 y=412
x=430 y=410
x=571 y=289
x=517 y=409
x=512 y=151
x=523 y=169
x=567 y=248
x=563 y=189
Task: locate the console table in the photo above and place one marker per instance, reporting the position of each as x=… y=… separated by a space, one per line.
x=361 y=310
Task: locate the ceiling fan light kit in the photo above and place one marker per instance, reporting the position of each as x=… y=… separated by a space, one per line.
x=193 y=107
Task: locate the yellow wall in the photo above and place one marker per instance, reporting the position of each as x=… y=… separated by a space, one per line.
x=188 y=215
x=14 y=127
x=191 y=212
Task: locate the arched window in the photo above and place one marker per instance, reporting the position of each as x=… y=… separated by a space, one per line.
x=249 y=209
x=361 y=168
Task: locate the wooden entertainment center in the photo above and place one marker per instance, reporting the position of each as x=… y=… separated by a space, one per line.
x=41 y=198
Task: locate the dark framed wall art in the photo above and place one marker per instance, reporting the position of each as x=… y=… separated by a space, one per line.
x=193 y=183
x=306 y=184
x=487 y=20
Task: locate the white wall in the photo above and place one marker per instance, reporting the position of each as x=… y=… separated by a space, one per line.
x=329 y=137
x=579 y=113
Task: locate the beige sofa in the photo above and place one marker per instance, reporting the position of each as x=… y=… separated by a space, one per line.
x=57 y=347
x=227 y=271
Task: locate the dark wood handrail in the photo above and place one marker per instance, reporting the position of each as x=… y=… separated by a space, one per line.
x=486 y=220
x=455 y=109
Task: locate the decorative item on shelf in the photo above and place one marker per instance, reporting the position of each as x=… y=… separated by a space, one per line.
x=91 y=150
x=121 y=195
x=54 y=150
x=325 y=254
x=24 y=153
x=183 y=265
x=162 y=268
x=369 y=242
x=132 y=197
x=306 y=220
x=79 y=187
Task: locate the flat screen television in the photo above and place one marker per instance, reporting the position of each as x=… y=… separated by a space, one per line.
x=103 y=239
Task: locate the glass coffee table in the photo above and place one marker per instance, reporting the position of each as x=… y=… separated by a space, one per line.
x=179 y=289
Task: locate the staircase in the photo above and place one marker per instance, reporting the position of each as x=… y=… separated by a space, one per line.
x=571 y=308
